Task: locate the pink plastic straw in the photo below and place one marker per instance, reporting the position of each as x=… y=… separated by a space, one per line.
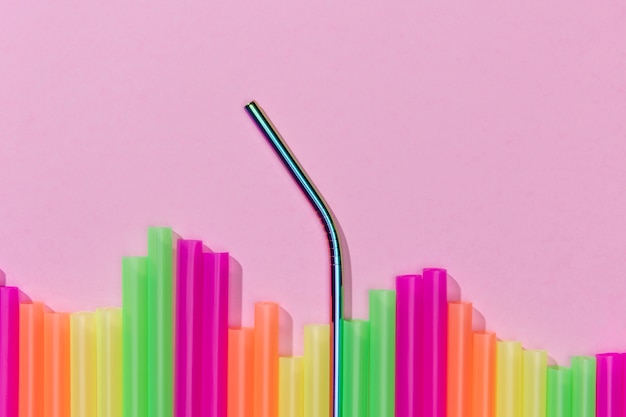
x=215 y=335
x=9 y=351
x=188 y=331
x=408 y=301
x=434 y=350
x=610 y=385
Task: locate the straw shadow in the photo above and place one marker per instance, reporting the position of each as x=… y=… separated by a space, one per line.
x=479 y=324
x=454 y=289
x=285 y=333
x=235 y=292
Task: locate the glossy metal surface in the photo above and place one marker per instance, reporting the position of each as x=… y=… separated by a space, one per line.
x=330 y=224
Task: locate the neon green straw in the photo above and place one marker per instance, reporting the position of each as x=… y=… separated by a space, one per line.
x=583 y=386
x=382 y=310
x=355 y=368
x=135 y=336
x=160 y=344
x=559 y=403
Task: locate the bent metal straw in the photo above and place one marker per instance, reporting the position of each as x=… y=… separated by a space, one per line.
x=330 y=224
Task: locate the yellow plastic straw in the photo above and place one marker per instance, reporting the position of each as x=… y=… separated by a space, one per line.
x=316 y=370
x=109 y=361
x=534 y=369
x=291 y=387
x=509 y=379
x=83 y=364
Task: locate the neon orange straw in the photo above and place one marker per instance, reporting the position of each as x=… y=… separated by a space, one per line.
x=31 y=359
x=459 y=359
x=265 y=360
x=484 y=375
x=56 y=375
x=240 y=372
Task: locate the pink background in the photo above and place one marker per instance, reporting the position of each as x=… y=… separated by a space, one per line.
x=487 y=138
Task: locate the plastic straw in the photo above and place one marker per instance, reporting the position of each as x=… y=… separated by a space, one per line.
x=160 y=322
x=509 y=379
x=188 y=331
x=83 y=365
x=215 y=335
x=109 y=360
x=316 y=370
x=460 y=338
x=409 y=298
x=484 y=374
x=240 y=372
x=291 y=387
x=9 y=351
x=434 y=351
x=56 y=375
x=583 y=386
x=355 y=368
x=31 y=359
x=609 y=385
x=135 y=336
x=382 y=318
x=559 y=402
x=534 y=368
x=266 y=359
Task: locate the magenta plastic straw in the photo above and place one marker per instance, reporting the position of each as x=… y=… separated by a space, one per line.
x=434 y=343
x=9 y=351
x=610 y=385
x=408 y=302
x=188 y=330
x=215 y=335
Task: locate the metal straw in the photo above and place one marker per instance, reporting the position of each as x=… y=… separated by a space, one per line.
x=330 y=224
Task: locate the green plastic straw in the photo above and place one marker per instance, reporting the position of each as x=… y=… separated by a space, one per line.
x=355 y=368
x=160 y=342
x=559 y=402
x=382 y=353
x=135 y=335
x=583 y=386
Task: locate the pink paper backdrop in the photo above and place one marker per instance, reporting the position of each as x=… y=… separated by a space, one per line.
x=487 y=138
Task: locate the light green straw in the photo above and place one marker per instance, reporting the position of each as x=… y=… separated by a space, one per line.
x=135 y=336
x=160 y=344
x=559 y=402
x=382 y=379
x=355 y=368
x=583 y=386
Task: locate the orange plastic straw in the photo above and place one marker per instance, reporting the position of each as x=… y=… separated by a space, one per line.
x=265 y=360
x=459 y=359
x=484 y=374
x=56 y=373
x=240 y=372
x=31 y=359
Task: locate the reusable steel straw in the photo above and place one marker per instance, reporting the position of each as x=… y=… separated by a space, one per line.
x=330 y=224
